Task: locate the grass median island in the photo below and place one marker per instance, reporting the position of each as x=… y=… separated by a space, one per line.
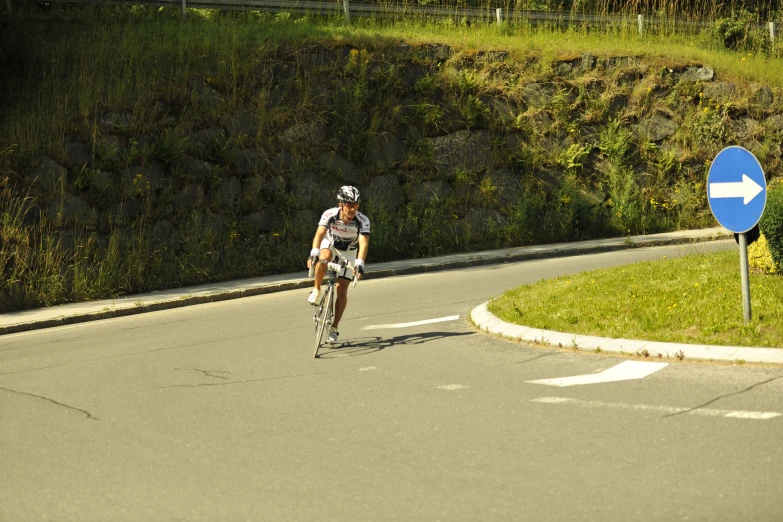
x=695 y=299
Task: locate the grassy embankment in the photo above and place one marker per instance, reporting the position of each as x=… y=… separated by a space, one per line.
x=68 y=68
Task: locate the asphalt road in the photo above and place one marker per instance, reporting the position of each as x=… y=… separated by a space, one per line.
x=220 y=412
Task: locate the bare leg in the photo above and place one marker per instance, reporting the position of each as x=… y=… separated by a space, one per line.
x=342 y=300
x=320 y=268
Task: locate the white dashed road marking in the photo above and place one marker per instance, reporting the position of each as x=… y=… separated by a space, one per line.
x=451 y=387
x=415 y=323
x=368 y=368
x=622 y=372
x=707 y=412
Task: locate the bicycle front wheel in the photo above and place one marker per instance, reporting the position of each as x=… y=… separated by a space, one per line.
x=323 y=318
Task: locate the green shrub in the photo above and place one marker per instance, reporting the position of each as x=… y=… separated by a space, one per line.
x=731 y=32
x=738 y=33
x=468 y=82
x=567 y=214
x=615 y=142
x=709 y=129
x=760 y=258
x=771 y=223
x=625 y=200
x=573 y=158
x=425 y=86
x=169 y=146
x=473 y=111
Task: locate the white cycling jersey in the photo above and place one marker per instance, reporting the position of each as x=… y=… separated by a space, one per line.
x=344 y=236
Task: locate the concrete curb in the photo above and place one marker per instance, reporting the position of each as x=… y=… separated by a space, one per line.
x=488 y=322
x=120 y=311
x=73 y=313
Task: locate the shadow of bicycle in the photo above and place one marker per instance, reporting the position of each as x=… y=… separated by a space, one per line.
x=368 y=345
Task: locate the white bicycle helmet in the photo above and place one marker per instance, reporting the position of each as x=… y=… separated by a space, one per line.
x=348 y=194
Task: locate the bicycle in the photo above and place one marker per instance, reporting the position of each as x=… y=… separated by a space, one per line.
x=324 y=311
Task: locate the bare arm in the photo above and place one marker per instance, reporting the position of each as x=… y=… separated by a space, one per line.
x=364 y=244
x=320 y=234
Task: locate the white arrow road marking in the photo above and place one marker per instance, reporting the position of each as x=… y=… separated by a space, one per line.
x=622 y=372
x=746 y=189
x=416 y=323
x=735 y=414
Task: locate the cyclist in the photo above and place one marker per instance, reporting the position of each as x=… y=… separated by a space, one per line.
x=343 y=232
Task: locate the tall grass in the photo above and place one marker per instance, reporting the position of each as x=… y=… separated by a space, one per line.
x=121 y=58
x=42 y=269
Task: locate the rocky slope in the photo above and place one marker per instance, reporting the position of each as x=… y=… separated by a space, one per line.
x=452 y=149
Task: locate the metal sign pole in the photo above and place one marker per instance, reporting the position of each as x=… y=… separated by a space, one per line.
x=8 y=3
x=744 y=272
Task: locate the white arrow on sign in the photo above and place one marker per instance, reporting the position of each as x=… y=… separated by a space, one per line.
x=622 y=372
x=746 y=189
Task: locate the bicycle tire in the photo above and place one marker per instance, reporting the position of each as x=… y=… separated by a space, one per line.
x=324 y=311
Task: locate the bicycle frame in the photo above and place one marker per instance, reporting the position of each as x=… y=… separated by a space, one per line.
x=324 y=312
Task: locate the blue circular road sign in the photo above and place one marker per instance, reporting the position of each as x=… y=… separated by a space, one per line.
x=736 y=189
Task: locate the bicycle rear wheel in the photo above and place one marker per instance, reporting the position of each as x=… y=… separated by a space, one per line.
x=323 y=318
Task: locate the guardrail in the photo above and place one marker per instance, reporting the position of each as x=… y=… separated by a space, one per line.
x=384 y=9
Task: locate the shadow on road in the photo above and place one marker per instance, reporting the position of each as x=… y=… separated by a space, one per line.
x=368 y=345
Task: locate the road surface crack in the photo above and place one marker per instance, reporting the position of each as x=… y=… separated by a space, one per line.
x=208 y=373
x=240 y=382
x=723 y=397
x=537 y=357
x=85 y=412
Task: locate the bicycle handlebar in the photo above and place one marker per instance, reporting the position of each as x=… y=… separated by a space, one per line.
x=337 y=267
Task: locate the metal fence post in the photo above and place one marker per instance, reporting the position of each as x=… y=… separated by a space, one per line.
x=499 y=15
x=640 y=21
x=184 y=8
x=770 y=24
x=347 y=11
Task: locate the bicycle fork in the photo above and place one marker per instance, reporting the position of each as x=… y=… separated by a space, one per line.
x=319 y=309
x=328 y=320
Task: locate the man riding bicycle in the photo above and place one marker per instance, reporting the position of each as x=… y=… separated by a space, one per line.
x=343 y=233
